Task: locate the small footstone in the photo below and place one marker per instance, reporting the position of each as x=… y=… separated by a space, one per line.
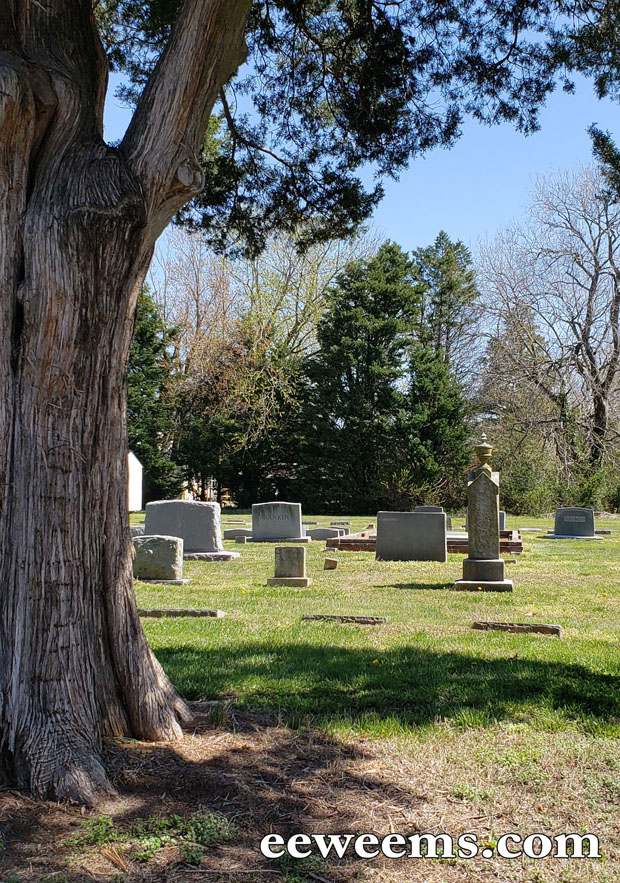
x=541 y=629
x=290 y=567
x=330 y=564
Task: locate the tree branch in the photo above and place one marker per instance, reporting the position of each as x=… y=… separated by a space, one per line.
x=166 y=134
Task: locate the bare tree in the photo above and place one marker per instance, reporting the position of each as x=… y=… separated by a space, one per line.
x=552 y=286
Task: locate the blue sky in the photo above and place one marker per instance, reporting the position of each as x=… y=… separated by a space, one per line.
x=483 y=182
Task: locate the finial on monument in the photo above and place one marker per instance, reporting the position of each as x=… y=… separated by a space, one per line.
x=484 y=452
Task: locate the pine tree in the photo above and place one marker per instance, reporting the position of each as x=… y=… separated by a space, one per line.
x=150 y=411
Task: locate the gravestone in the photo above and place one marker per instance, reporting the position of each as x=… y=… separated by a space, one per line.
x=136 y=530
x=233 y=533
x=325 y=533
x=573 y=523
x=275 y=522
x=340 y=523
x=134 y=483
x=434 y=509
x=502 y=520
x=197 y=524
x=411 y=536
x=158 y=559
x=290 y=567
x=483 y=569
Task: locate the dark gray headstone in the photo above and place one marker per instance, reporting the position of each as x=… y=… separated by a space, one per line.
x=574 y=522
x=411 y=536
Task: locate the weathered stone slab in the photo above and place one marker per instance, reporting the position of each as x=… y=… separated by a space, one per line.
x=197 y=524
x=162 y=612
x=137 y=530
x=573 y=523
x=330 y=564
x=536 y=628
x=428 y=509
x=502 y=520
x=325 y=533
x=232 y=533
x=289 y=567
x=362 y=620
x=211 y=556
x=158 y=558
x=276 y=521
x=338 y=523
x=411 y=536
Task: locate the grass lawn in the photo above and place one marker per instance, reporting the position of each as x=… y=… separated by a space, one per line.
x=418 y=725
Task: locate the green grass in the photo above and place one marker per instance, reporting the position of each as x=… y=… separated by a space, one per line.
x=426 y=665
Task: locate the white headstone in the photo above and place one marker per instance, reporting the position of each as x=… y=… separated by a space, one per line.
x=134 y=487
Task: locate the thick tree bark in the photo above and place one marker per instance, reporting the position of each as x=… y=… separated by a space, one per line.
x=78 y=224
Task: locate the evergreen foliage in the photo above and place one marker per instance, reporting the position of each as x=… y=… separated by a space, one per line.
x=150 y=410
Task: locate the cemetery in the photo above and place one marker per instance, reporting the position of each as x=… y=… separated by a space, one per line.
x=309 y=441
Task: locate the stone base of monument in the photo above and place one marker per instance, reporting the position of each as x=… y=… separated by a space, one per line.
x=281 y=540
x=563 y=536
x=486 y=575
x=210 y=556
x=165 y=582
x=300 y=582
x=465 y=585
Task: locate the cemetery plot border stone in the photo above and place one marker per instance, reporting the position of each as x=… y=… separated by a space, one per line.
x=162 y=612
x=535 y=628
x=362 y=620
x=211 y=556
x=164 y=582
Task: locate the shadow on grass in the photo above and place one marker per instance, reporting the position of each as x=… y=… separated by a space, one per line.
x=411 y=686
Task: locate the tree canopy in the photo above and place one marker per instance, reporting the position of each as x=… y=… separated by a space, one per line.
x=332 y=86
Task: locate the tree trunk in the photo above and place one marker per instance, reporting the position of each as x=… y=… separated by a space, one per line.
x=78 y=223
